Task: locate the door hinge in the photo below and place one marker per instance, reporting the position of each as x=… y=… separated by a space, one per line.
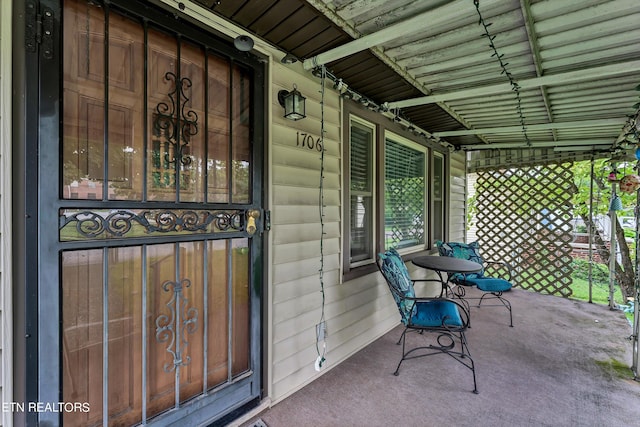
x=38 y=29
x=267 y=220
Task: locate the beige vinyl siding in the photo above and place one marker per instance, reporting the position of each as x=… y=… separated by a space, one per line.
x=295 y=229
x=457 y=197
x=356 y=312
x=6 y=357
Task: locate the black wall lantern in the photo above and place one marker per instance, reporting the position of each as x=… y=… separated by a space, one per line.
x=293 y=103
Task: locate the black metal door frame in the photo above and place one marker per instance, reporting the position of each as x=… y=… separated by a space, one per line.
x=37 y=122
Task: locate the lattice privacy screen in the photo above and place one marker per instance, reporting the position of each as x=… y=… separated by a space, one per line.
x=523 y=217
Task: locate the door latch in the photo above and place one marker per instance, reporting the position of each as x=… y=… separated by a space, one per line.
x=252 y=216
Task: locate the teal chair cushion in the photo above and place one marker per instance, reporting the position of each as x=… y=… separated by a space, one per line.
x=489 y=284
x=436 y=313
x=468 y=251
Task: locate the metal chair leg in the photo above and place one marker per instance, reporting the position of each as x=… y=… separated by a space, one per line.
x=505 y=302
x=463 y=357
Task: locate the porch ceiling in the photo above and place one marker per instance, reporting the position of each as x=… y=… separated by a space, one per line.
x=576 y=63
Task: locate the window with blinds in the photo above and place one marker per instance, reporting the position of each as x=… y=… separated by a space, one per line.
x=361 y=192
x=404 y=195
x=398 y=201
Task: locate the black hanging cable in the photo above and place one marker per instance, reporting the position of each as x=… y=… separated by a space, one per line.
x=515 y=87
x=321 y=333
x=347 y=92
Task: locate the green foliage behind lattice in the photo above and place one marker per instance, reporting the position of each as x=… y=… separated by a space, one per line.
x=524 y=218
x=404 y=212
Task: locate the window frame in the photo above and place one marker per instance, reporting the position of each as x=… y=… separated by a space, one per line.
x=374 y=200
x=382 y=125
x=443 y=197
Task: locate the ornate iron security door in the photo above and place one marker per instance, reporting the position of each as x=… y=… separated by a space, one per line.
x=158 y=241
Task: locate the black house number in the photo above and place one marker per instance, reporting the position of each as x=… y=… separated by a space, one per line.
x=305 y=140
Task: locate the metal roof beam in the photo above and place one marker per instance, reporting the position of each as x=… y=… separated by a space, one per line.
x=543 y=126
x=529 y=25
x=381 y=54
x=533 y=146
x=447 y=13
x=583 y=147
x=554 y=79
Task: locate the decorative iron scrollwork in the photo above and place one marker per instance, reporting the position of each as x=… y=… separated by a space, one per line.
x=91 y=224
x=175 y=326
x=176 y=122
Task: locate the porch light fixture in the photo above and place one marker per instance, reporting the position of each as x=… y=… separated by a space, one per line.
x=293 y=104
x=289 y=59
x=243 y=43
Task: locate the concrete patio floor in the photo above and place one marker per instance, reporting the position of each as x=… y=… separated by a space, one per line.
x=564 y=363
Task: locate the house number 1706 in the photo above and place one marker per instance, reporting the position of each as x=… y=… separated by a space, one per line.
x=303 y=140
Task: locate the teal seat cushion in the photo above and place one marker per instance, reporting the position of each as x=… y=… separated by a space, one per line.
x=435 y=313
x=488 y=284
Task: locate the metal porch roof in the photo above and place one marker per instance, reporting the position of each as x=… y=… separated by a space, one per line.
x=572 y=66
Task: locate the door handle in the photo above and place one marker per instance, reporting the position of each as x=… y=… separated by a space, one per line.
x=252 y=215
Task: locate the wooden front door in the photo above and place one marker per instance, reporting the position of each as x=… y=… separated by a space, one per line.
x=157 y=195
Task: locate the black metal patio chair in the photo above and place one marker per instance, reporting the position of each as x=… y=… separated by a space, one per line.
x=445 y=318
x=492 y=287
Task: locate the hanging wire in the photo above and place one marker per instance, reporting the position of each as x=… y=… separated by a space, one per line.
x=515 y=87
x=346 y=92
x=322 y=353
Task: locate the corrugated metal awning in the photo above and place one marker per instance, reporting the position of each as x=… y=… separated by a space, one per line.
x=575 y=63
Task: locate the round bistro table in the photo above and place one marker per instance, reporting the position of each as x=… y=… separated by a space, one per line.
x=445 y=264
